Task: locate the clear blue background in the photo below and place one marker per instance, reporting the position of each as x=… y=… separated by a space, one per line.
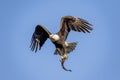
x=97 y=55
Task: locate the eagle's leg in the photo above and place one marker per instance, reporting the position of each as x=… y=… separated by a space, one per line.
x=63 y=58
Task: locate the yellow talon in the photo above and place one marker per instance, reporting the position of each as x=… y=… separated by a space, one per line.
x=63 y=58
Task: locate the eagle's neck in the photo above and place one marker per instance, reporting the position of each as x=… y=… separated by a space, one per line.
x=54 y=37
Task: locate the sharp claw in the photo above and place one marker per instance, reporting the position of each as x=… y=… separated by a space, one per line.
x=62 y=60
x=65 y=56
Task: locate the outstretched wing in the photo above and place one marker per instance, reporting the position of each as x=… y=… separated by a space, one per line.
x=39 y=37
x=69 y=23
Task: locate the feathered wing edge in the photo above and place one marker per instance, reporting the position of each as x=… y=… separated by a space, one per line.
x=39 y=37
x=69 y=23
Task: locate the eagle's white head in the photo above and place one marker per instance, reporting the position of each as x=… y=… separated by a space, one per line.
x=54 y=37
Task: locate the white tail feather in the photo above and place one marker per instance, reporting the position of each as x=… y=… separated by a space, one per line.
x=71 y=46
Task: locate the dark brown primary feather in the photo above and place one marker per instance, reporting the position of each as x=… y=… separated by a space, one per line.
x=39 y=37
x=69 y=23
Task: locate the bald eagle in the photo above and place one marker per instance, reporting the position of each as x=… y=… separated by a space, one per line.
x=68 y=23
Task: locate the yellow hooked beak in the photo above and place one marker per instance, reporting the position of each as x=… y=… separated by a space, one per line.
x=51 y=36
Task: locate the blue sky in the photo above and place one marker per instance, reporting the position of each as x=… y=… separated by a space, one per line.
x=97 y=55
